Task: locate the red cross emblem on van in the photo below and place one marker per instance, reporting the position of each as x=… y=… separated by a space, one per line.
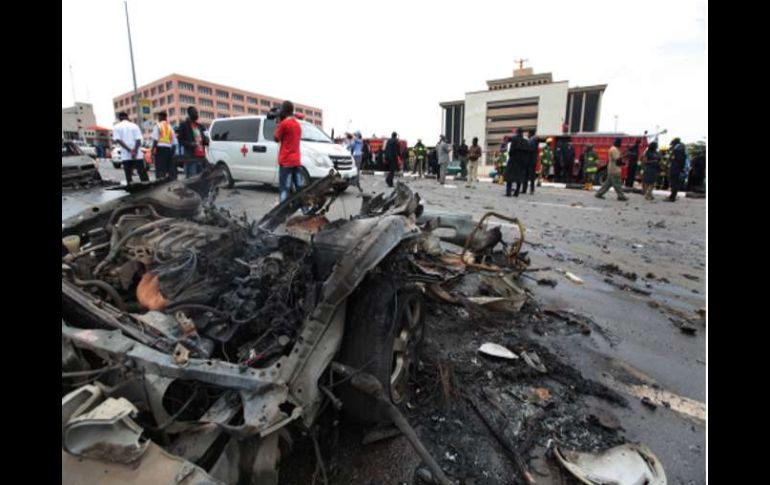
x=244 y=150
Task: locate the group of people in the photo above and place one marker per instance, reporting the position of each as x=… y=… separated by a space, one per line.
x=521 y=162
x=190 y=137
x=651 y=167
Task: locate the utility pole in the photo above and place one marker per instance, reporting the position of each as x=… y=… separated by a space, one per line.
x=72 y=82
x=133 y=71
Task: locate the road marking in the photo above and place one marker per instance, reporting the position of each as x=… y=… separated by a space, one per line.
x=683 y=405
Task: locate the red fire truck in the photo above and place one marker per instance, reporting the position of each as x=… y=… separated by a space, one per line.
x=602 y=143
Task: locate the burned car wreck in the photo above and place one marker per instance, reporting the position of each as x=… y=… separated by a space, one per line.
x=195 y=342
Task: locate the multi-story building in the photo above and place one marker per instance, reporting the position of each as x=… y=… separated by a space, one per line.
x=79 y=123
x=526 y=100
x=175 y=93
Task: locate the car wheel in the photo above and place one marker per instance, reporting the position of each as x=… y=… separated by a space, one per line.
x=226 y=170
x=383 y=331
x=602 y=177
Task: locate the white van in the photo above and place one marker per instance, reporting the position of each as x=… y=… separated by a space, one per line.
x=245 y=146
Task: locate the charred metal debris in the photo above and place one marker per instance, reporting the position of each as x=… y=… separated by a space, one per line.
x=197 y=341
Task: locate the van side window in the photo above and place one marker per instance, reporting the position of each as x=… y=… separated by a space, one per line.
x=246 y=130
x=270 y=126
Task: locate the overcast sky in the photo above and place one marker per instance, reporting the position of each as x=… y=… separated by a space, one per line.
x=384 y=66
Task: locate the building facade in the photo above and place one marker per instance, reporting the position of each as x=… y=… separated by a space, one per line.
x=175 y=93
x=75 y=121
x=526 y=100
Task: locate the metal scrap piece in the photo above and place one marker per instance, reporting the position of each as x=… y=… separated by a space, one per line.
x=107 y=432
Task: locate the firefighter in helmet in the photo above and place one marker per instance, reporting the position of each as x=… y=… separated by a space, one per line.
x=546 y=161
x=590 y=160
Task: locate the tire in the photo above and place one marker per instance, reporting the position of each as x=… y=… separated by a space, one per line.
x=602 y=177
x=383 y=332
x=230 y=181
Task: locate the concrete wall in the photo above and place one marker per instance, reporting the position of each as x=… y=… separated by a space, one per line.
x=552 y=104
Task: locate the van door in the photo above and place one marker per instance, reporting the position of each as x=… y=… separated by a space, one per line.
x=268 y=156
x=239 y=138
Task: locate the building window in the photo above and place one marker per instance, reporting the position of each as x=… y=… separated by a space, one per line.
x=183 y=111
x=170 y=98
x=251 y=100
x=318 y=114
x=299 y=110
x=222 y=115
x=204 y=90
x=154 y=103
x=237 y=97
x=221 y=105
x=238 y=108
x=171 y=112
x=206 y=102
x=160 y=88
x=186 y=99
x=146 y=93
x=120 y=103
x=276 y=105
x=184 y=86
x=253 y=111
x=264 y=102
x=222 y=94
x=169 y=85
x=162 y=101
x=207 y=114
x=152 y=92
x=263 y=111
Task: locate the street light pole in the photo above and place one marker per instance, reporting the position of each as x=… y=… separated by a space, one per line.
x=133 y=71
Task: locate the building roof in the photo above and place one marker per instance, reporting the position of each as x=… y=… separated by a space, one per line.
x=595 y=87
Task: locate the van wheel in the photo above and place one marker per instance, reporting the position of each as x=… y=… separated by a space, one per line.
x=230 y=181
x=383 y=331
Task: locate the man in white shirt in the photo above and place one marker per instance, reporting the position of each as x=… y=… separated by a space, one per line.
x=129 y=137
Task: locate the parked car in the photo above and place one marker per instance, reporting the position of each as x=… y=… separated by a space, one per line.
x=77 y=168
x=85 y=148
x=245 y=148
x=116 y=156
x=454 y=168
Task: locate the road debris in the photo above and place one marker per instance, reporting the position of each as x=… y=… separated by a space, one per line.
x=573 y=278
x=533 y=360
x=614 y=269
x=496 y=350
x=630 y=464
x=627 y=287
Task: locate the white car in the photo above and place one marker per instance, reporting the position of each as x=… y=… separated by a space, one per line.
x=86 y=149
x=116 y=156
x=245 y=147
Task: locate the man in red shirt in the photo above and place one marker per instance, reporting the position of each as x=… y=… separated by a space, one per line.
x=288 y=134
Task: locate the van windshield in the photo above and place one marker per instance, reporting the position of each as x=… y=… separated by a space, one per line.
x=312 y=133
x=309 y=132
